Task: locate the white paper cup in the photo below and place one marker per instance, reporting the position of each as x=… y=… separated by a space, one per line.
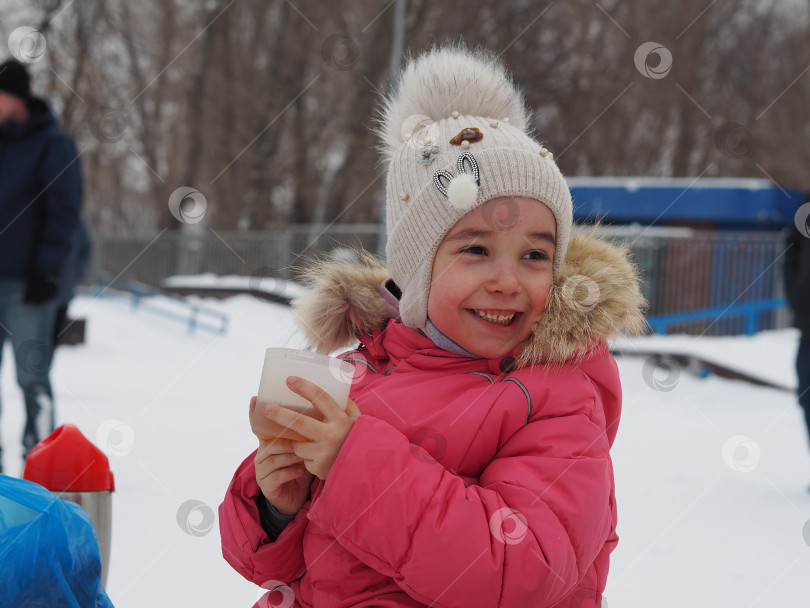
x=333 y=375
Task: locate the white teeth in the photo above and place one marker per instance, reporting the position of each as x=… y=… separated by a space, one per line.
x=501 y=319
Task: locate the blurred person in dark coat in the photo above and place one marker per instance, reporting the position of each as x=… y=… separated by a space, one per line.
x=797 y=286
x=40 y=203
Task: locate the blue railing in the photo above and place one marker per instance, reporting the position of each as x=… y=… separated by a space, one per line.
x=750 y=311
x=167 y=305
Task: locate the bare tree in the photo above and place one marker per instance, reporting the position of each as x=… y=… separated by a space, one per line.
x=266 y=106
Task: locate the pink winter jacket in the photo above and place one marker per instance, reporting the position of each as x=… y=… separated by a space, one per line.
x=465 y=482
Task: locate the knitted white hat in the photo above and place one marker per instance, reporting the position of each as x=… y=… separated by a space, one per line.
x=454 y=135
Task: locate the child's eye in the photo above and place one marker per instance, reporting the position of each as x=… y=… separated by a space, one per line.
x=475 y=250
x=536 y=255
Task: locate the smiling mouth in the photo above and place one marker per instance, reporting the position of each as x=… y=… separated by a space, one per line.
x=499 y=318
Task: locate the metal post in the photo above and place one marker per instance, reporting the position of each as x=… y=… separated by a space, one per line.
x=397 y=44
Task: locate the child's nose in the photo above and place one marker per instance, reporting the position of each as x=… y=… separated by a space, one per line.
x=504 y=280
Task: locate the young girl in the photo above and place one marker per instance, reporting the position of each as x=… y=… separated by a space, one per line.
x=471 y=465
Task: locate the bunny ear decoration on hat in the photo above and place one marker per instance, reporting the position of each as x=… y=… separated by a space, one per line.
x=446 y=80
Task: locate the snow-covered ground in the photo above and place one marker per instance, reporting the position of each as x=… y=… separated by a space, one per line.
x=711 y=474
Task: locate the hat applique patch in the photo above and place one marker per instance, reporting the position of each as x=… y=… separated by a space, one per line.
x=427 y=154
x=469 y=135
x=461 y=190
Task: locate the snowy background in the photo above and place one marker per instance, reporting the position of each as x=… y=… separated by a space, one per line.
x=712 y=475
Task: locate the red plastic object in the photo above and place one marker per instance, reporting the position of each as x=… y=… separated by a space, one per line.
x=65 y=461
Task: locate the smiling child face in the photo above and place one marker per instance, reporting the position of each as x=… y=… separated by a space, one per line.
x=492 y=275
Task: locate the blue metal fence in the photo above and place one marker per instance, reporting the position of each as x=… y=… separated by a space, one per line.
x=169 y=306
x=708 y=282
x=750 y=314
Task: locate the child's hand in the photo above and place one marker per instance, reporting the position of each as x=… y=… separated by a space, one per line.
x=327 y=435
x=282 y=478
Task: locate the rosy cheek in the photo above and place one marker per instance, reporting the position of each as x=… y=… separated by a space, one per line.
x=542 y=300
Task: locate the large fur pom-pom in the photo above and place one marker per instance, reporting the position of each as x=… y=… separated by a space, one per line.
x=445 y=80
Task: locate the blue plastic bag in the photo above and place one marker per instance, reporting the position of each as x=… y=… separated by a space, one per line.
x=48 y=550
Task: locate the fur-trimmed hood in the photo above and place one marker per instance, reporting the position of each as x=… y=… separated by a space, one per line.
x=595 y=296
